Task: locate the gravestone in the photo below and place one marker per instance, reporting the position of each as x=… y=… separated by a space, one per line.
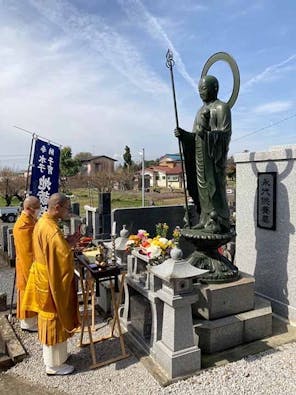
x=4 y=237
x=10 y=244
x=75 y=208
x=105 y=214
x=93 y=221
x=75 y=223
x=265 y=224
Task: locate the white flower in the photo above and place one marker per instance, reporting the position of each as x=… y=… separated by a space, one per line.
x=153 y=251
x=163 y=240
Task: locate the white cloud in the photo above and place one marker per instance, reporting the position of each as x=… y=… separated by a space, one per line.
x=68 y=94
x=274 y=107
x=117 y=51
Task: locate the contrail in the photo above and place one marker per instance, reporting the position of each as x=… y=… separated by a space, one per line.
x=135 y=9
x=269 y=70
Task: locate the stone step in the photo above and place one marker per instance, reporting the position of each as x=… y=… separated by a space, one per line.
x=14 y=348
x=220 y=334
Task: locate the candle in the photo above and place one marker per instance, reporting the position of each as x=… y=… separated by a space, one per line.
x=114 y=228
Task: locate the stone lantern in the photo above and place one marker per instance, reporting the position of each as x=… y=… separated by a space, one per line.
x=177 y=351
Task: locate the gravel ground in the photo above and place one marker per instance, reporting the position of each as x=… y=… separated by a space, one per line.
x=271 y=372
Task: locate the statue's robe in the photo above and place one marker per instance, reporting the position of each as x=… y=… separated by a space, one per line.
x=22 y=234
x=205 y=161
x=51 y=286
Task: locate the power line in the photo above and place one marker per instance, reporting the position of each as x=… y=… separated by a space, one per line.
x=7 y=156
x=265 y=127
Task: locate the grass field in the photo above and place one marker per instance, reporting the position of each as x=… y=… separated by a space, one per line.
x=120 y=199
x=126 y=199
x=85 y=196
x=15 y=202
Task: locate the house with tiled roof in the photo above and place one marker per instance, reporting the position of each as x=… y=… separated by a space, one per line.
x=170 y=160
x=167 y=174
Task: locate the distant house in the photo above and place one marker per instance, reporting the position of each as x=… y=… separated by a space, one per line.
x=168 y=174
x=97 y=164
x=170 y=160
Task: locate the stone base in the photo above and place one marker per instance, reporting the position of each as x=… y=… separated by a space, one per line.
x=223 y=333
x=221 y=300
x=104 y=298
x=13 y=347
x=141 y=316
x=177 y=363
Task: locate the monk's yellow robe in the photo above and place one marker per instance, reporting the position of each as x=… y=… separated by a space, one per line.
x=22 y=234
x=51 y=286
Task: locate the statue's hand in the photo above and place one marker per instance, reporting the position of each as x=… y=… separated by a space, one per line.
x=200 y=130
x=204 y=119
x=179 y=132
x=201 y=133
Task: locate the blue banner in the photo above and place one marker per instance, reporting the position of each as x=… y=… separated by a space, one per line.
x=45 y=171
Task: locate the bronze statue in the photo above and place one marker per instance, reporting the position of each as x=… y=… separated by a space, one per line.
x=205 y=154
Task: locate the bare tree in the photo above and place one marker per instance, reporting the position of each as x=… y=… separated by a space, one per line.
x=12 y=185
x=103 y=181
x=125 y=179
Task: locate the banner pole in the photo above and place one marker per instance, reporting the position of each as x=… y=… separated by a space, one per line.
x=30 y=163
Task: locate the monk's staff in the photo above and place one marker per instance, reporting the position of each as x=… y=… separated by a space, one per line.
x=170 y=63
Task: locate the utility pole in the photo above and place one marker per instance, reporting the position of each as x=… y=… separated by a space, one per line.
x=143 y=177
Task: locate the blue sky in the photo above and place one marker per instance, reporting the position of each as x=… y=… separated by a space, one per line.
x=91 y=74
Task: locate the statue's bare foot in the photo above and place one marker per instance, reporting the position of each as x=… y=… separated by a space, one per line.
x=199 y=226
x=212 y=228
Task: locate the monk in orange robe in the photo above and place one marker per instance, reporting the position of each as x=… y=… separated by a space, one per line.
x=51 y=286
x=23 y=233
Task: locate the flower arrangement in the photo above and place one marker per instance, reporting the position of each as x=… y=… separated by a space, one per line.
x=157 y=248
x=162 y=229
x=176 y=234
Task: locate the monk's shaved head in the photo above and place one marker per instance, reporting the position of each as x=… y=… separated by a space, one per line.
x=57 y=198
x=31 y=202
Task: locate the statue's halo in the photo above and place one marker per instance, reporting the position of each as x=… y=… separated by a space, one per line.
x=235 y=72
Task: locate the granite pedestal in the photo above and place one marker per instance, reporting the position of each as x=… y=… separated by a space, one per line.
x=221 y=300
x=220 y=334
x=230 y=314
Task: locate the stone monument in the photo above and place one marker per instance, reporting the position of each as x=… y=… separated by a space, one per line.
x=266 y=222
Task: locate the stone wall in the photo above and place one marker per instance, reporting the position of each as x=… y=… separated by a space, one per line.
x=269 y=255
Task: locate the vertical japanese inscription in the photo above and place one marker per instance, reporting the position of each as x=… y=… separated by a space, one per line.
x=266 y=200
x=45 y=171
